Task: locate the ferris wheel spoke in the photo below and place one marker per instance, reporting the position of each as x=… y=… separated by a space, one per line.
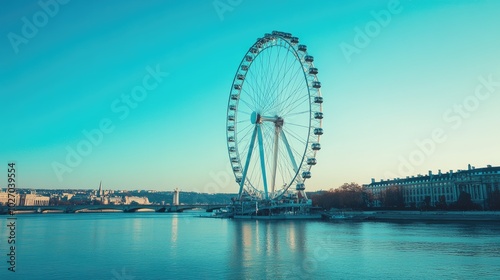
x=297 y=113
x=246 y=103
x=269 y=87
x=245 y=113
x=279 y=90
x=299 y=125
x=287 y=79
x=293 y=97
x=250 y=96
x=297 y=104
x=243 y=139
x=265 y=71
x=295 y=136
x=296 y=89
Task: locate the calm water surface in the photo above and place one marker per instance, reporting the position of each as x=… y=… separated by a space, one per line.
x=170 y=246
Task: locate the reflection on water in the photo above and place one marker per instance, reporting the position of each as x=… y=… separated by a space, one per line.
x=169 y=246
x=267 y=248
x=173 y=235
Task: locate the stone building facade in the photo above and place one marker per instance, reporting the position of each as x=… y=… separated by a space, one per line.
x=478 y=182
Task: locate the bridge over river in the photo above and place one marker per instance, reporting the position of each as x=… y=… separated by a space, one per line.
x=109 y=208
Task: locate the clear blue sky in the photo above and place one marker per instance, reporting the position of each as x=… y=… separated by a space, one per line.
x=382 y=95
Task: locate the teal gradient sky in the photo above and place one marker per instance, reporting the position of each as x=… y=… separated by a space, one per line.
x=379 y=102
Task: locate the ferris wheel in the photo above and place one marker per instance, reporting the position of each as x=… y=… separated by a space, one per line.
x=274 y=118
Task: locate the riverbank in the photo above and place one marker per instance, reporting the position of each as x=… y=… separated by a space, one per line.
x=491 y=216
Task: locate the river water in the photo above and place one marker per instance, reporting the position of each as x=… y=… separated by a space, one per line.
x=170 y=246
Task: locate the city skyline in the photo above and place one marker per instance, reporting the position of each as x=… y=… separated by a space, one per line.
x=408 y=86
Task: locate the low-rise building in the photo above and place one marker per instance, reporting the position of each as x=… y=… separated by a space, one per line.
x=4 y=198
x=33 y=199
x=116 y=200
x=139 y=200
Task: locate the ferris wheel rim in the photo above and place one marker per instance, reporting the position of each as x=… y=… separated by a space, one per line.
x=255 y=51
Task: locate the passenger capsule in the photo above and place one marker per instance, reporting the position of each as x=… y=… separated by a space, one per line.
x=311 y=161
x=318 y=131
x=313 y=71
x=294 y=40
x=309 y=58
x=234 y=159
x=306 y=174
x=300 y=187
x=232 y=149
x=232 y=107
x=230 y=139
x=236 y=169
x=237 y=87
x=231 y=117
x=318 y=115
x=316 y=84
x=318 y=99
x=316 y=146
x=244 y=67
x=230 y=128
x=240 y=77
x=248 y=58
x=235 y=96
x=302 y=48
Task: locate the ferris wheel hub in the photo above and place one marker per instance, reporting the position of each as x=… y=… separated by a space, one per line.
x=255 y=118
x=258 y=118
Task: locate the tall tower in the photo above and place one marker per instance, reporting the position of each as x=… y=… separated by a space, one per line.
x=100 y=193
x=176 y=197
